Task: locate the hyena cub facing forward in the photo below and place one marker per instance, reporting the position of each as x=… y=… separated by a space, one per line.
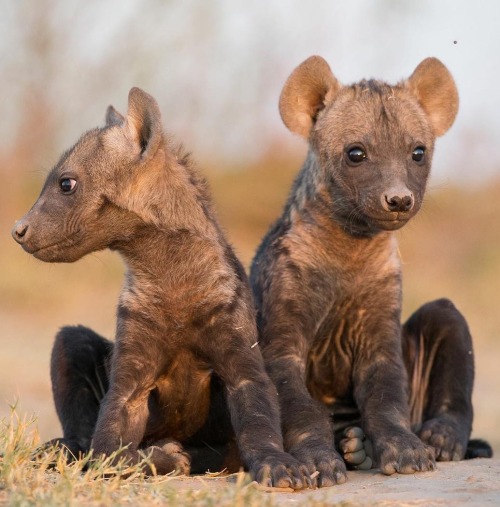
x=183 y=367
x=327 y=280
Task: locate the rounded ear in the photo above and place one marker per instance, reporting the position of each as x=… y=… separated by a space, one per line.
x=113 y=117
x=143 y=122
x=434 y=87
x=310 y=87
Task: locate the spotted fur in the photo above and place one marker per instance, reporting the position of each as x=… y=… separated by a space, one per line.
x=183 y=368
x=327 y=278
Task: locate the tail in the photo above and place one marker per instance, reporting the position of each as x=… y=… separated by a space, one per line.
x=477 y=448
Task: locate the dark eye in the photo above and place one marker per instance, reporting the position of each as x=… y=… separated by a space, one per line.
x=67 y=185
x=356 y=155
x=418 y=154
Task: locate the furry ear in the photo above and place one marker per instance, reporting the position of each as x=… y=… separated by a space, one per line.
x=433 y=85
x=113 y=117
x=310 y=87
x=143 y=122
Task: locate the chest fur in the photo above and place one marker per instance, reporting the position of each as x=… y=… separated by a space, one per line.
x=356 y=300
x=332 y=352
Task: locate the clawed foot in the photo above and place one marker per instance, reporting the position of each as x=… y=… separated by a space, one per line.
x=445 y=437
x=327 y=462
x=356 y=449
x=167 y=456
x=403 y=453
x=281 y=470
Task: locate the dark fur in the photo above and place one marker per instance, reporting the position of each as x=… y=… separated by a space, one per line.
x=327 y=279
x=184 y=367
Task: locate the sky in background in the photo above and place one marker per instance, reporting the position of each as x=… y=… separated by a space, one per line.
x=217 y=68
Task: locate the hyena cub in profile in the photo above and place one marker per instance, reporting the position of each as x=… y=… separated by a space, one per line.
x=327 y=281
x=183 y=367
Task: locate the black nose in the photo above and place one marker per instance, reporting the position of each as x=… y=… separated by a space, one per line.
x=19 y=231
x=398 y=202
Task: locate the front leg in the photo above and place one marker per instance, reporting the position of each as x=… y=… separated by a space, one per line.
x=380 y=390
x=253 y=406
x=307 y=427
x=124 y=412
x=291 y=297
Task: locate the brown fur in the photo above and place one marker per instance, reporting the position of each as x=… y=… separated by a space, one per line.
x=327 y=277
x=183 y=367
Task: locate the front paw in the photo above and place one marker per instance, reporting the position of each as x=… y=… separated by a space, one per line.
x=327 y=462
x=403 y=453
x=280 y=470
x=445 y=436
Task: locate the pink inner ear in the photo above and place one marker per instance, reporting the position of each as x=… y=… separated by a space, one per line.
x=307 y=90
x=434 y=87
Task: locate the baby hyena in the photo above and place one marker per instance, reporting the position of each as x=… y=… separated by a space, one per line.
x=184 y=366
x=327 y=281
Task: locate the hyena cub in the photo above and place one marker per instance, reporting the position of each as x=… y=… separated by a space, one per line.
x=327 y=281
x=183 y=367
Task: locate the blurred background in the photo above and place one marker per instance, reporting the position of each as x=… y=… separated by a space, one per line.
x=216 y=69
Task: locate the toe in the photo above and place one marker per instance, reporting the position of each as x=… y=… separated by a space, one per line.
x=366 y=465
x=354 y=432
x=351 y=444
x=355 y=458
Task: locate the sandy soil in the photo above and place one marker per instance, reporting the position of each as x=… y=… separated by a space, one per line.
x=472 y=483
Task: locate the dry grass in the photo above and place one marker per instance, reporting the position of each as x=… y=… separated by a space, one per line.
x=30 y=479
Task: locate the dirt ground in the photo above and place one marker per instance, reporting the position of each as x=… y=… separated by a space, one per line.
x=472 y=483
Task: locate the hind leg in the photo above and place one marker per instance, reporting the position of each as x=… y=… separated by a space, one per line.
x=79 y=375
x=437 y=349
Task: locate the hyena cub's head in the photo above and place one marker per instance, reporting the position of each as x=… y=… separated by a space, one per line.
x=86 y=201
x=373 y=142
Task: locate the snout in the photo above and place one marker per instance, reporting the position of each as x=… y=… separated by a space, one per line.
x=21 y=231
x=399 y=200
x=393 y=208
